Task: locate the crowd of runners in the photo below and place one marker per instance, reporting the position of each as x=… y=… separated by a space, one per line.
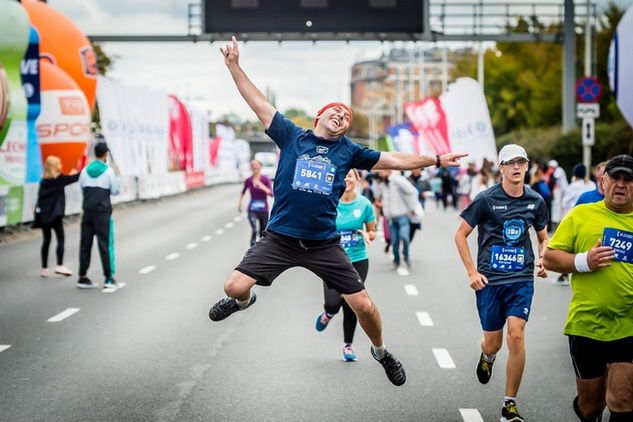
x=322 y=222
x=327 y=210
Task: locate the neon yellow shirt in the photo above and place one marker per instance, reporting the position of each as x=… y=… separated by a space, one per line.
x=601 y=307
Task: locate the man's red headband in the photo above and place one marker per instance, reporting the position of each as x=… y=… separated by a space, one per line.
x=345 y=106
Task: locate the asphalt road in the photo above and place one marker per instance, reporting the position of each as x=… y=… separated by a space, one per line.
x=148 y=352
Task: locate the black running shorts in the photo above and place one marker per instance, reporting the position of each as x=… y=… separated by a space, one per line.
x=275 y=253
x=590 y=357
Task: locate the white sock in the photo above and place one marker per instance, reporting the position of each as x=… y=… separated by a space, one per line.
x=379 y=352
x=507 y=399
x=490 y=358
x=244 y=304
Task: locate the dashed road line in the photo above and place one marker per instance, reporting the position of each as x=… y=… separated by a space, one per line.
x=424 y=318
x=237 y=219
x=471 y=415
x=63 y=315
x=206 y=238
x=192 y=245
x=402 y=271
x=443 y=358
x=411 y=290
x=148 y=269
x=219 y=231
x=172 y=256
x=4 y=347
x=228 y=225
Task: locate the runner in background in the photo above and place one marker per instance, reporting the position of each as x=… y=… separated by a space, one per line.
x=260 y=188
x=356 y=224
x=503 y=278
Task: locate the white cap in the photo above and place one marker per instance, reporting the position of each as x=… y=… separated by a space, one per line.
x=552 y=163
x=510 y=152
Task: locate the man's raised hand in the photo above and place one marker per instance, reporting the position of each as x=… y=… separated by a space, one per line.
x=231 y=52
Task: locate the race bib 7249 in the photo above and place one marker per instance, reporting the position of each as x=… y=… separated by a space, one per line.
x=622 y=243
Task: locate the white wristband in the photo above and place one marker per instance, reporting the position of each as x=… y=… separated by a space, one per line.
x=581 y=263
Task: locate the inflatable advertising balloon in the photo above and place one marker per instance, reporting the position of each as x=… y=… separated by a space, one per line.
x=63 y=126
x=64 y=45
x=14 y=39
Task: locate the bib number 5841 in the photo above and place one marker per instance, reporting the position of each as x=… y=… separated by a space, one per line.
x=311 y=174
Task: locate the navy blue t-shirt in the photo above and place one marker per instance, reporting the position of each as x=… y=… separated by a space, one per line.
x=505 y=250
x=590 y=197
x=310 y=179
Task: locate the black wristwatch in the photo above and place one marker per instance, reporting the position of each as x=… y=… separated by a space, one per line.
x=438 y=162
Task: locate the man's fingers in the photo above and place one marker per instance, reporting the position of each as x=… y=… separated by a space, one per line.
x=458 y=155
x=234 y=42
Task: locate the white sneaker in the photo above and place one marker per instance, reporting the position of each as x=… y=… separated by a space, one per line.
x=63 y=270
x=44 y=272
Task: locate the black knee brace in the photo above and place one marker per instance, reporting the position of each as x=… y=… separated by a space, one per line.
x=582 y=418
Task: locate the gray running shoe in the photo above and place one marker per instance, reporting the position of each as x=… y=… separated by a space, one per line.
x=393 y=367
x=227 y=306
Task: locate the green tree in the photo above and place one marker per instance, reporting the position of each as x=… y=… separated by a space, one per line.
x=104 y=64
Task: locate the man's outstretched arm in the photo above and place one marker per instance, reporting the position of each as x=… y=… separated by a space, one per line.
x=253 y=96
x=408 y=161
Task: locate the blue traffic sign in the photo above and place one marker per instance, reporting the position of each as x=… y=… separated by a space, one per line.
x=588 y=90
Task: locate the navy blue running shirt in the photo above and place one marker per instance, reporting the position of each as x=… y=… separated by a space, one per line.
x=504 y=247
x=310 y=179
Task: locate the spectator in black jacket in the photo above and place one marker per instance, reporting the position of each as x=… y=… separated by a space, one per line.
x=51 y=203
x=97 y=183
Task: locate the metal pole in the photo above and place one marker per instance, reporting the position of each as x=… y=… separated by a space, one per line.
x=422 y=72
x=586 y=149
x=445 y=68
x=569 y=68
x=480 y=65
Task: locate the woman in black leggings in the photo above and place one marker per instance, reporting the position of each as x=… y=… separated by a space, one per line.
x=51 y=203
x=356 y=225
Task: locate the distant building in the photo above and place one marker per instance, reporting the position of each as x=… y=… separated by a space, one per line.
x=381 y=87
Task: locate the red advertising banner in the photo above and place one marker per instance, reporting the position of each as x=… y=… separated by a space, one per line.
x=194 y=179
x=180 y=136
x=428 y=117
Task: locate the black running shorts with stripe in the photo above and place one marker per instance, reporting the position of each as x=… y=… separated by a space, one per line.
x=275 y=253
x=590 y=357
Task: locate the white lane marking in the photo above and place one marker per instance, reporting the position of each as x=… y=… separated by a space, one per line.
x=148 y=269
x=63 y=315
x=172 y=256
x=425 y=319
x=471 y=415
x=411 y=290
x=192 y=245
x=228 y=225
x=219 y=231
x=206 y=238
x=4 y=347
x=402 y=271
x=443 y=358
x=237 y=219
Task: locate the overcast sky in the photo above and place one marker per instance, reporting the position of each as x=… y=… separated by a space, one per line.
x=302 y=75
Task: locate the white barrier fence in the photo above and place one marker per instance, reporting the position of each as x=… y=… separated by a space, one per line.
x=17 y=203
